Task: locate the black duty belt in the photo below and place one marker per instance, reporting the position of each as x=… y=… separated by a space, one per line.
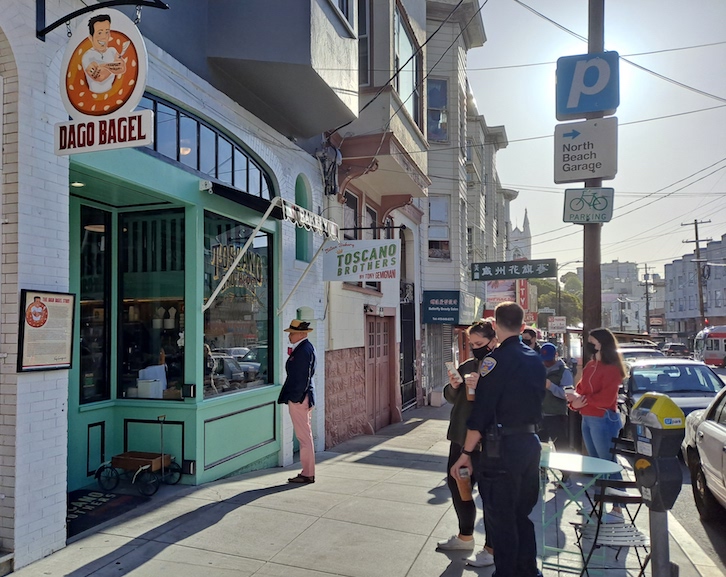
x=517 y=430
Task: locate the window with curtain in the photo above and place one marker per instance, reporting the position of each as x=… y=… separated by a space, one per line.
x=439 y=227
x=437 y=121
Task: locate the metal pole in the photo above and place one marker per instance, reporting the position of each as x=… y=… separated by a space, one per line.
x=591 y=287
x=660 y=562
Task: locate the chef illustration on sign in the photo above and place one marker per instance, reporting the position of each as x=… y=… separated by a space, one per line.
x=102 y=63
x=37 y=313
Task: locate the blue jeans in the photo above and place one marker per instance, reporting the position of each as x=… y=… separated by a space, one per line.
x=598 y=432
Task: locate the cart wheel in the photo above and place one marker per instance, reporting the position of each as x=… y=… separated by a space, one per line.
x=107 y=477
x=147 y=483
x=173 y=474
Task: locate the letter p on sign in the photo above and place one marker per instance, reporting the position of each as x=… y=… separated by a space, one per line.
x=587 y=83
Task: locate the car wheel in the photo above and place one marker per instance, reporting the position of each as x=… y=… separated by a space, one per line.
x=708 y=507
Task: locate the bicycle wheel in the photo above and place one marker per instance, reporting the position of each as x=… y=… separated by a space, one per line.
x=107 y=477
x=172 y=474
x=147 y=483
x=599 y=203
x=577 y=204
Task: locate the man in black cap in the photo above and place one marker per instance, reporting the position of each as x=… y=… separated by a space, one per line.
x=507 y=409
x=299 y=394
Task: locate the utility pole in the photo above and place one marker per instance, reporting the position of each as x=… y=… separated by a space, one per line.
x=647 y=301
x=591 y=284
x=699 y=270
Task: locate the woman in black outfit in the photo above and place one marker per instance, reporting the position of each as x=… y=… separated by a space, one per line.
x=482 y=340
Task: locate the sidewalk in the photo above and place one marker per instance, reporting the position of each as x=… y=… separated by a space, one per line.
x=378 y=508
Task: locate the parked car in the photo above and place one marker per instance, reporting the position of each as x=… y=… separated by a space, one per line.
x=255 y=361
x=631 y=354
x=703 y=452
x=227 y=366
x=235 y=352
x=692 y=385
x=676 y=350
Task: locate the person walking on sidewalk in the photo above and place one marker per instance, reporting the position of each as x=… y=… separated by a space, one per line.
x=507 y=409
x=554 y=407
x=298 y=392
x=482 y=340
x=596 y=398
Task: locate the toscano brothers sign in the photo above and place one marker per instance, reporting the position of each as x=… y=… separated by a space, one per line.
x=362 y=260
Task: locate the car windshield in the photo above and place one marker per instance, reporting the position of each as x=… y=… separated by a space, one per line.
x=674 y=378
x=251 y=355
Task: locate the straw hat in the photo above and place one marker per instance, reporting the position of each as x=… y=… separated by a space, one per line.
x=297 y=326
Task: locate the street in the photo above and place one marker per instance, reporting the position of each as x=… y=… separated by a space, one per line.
x=710 y=536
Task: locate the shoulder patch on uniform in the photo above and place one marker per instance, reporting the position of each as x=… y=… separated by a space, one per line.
x=487 y=365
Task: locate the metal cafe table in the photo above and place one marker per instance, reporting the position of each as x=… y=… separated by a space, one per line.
x=573 y=463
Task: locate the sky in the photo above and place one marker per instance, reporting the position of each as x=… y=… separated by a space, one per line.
x=671 y=147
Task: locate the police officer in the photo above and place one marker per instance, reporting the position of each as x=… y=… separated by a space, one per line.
x=507 y=409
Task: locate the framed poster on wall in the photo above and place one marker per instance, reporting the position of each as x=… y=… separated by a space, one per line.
x=46 y=330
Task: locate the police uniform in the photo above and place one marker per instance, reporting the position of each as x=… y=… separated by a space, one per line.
x=509 y=397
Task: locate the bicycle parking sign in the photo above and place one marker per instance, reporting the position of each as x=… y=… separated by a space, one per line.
x=585 y=205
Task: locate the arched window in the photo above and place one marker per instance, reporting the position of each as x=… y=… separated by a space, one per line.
x=203 y=148
x=303 y=238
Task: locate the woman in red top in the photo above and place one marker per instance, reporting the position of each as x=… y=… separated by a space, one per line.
x=596 y=398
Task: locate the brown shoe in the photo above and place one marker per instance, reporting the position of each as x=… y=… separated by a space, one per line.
x=301 y=479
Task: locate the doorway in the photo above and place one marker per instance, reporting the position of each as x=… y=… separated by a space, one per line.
x=377 y=375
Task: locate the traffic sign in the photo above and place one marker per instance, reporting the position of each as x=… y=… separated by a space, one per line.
x=557 y=325
x=586 y=150
x=587 y=83
x=583 y=205
x=546 y=311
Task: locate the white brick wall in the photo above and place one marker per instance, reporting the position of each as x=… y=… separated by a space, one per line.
x=35 y=254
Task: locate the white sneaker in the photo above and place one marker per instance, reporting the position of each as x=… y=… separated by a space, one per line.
x=569 y=483
x=482 y=559
x=612 y=518
x=455 y=544
x=616 y=492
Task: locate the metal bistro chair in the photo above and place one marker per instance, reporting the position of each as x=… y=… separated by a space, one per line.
x=615 y=535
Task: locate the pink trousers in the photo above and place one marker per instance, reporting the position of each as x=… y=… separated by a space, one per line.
x=300 y=414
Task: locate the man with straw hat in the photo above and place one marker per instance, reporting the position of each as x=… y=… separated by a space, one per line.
x=299 y=394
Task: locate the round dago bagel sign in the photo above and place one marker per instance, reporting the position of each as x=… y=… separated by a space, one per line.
x=104 y=66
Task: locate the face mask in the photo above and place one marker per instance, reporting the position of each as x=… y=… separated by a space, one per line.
x=591 y=348
x=481 y=352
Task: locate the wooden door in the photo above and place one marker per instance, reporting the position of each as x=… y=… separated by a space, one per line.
x=378 y=369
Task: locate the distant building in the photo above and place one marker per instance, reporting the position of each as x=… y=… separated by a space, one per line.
x=520 y=241
x=682 y=308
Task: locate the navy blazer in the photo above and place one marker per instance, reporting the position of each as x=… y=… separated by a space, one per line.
x=300 y=368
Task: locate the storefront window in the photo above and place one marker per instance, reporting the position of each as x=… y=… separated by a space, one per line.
x=95 y=317
x=151 y=340
x=236 y=326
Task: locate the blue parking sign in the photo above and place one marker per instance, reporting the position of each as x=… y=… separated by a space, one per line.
x=587 y=83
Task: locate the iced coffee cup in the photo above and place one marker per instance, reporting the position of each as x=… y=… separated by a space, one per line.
x=470 y=379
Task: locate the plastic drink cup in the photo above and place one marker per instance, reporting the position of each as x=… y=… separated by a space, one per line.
x=464 y=485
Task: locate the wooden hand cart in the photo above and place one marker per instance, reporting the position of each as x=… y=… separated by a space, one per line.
x=149 y=470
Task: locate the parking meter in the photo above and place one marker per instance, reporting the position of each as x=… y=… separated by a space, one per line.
x=658 y=426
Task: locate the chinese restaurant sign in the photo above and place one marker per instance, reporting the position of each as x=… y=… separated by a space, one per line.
x=103 y=77
x=514 y=269
x=362 y=260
